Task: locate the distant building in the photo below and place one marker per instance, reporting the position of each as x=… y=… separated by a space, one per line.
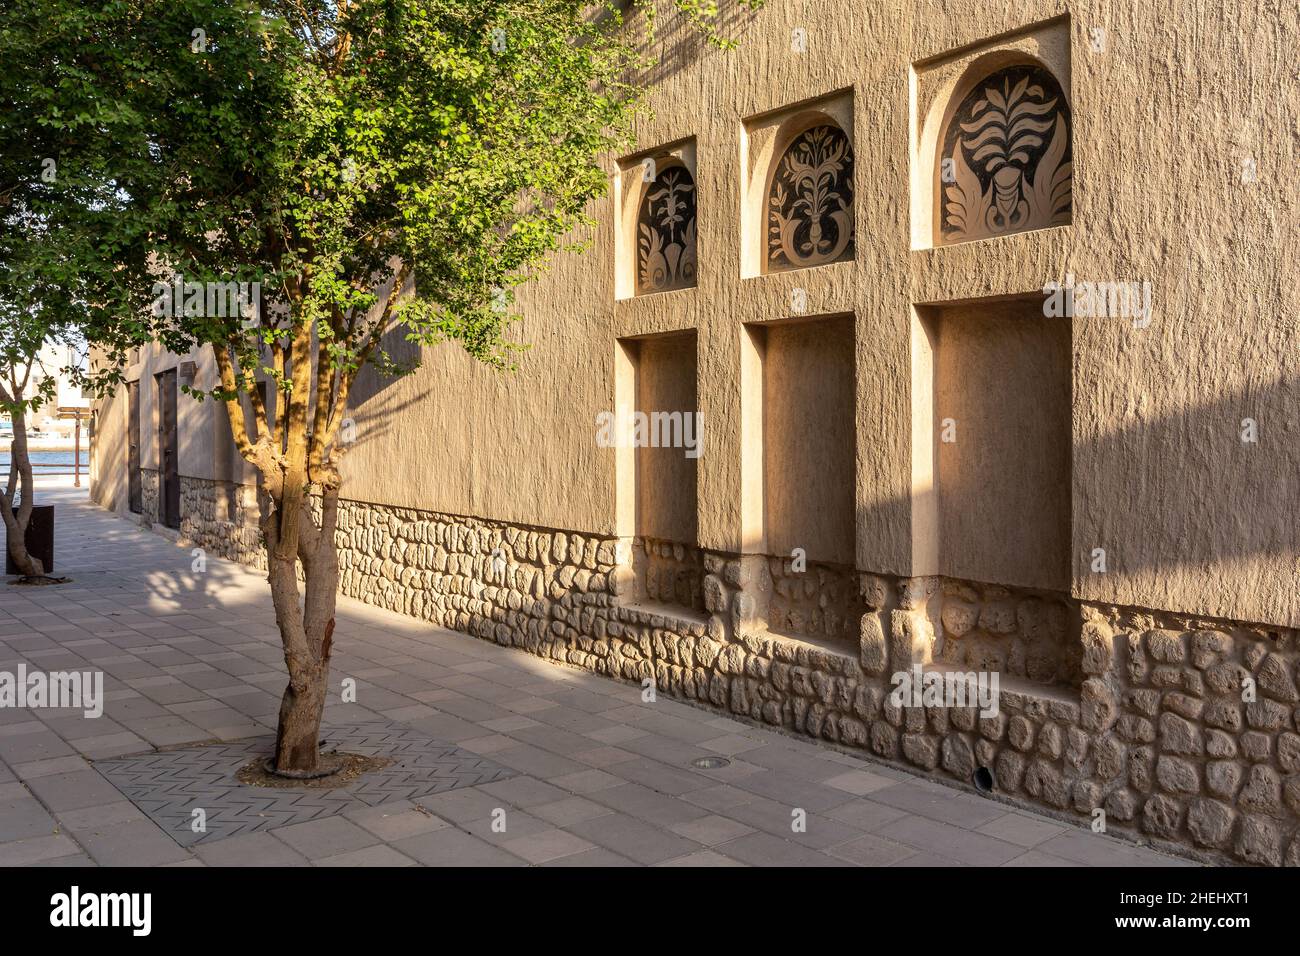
x=52 y=363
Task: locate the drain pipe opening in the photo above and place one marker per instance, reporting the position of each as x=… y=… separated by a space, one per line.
x=983 y=780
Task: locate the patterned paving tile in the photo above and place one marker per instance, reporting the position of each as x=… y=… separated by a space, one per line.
x=170 y=785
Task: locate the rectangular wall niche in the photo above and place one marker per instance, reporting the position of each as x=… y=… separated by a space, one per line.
x=663 y=519
x=999 y=413
x=800 y=373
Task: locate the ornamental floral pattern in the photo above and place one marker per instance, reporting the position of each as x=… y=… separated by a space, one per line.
x=1006 y=163
x=666 y=233
x=810 y=206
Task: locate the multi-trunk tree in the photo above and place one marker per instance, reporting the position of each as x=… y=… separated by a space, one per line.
x=375 y=167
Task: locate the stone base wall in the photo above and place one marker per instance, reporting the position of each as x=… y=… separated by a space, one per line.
x=221 y=517
x=668 y=573
x=150 y=490
x=1181 y=731
x=1019 y=633
x=820 y=602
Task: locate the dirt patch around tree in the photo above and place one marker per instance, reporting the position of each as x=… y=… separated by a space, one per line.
x=342 y=769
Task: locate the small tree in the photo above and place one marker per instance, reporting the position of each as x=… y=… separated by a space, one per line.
x=63 y=238
x=371 y=165
x=25 y=384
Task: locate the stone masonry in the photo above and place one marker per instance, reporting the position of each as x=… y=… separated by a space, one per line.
x=1183 y=731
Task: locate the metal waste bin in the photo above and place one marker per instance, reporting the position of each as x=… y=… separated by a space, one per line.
x=40 y=539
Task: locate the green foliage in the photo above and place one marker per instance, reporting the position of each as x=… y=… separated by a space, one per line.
x=66 y=243
x=328 y=151
x=323 y=150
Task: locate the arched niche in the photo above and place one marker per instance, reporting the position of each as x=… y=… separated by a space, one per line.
x=808 y=196
x=666 y=248
x=1004 y=158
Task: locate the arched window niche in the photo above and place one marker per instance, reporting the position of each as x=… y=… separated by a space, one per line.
x=1004 y=163
x=809 y=196
x=666 y=251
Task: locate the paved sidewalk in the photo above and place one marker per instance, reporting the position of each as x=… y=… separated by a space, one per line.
x=603 y=779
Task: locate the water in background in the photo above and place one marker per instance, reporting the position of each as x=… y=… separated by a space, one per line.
x=47 y=459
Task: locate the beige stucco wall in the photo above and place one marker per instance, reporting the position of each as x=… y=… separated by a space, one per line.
x=1002 y=454
x=808 y=422
x=666 y=376
x=1191 y=519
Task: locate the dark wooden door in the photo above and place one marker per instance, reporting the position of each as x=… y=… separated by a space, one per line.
x=135 y=497
x=169 y=484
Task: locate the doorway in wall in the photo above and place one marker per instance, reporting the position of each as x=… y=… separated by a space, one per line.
x=135 y=494
x=169 y=483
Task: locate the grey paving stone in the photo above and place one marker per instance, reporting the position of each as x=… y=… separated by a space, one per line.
x=74 y=791
x=777 y=819
x=325 y=837
x=591 y=858
x=510 y=723
x=633 y=838
x=379 y=855
x=251 y=849
x=140 y=843
x=452 y=847
x=546 y=845
x=462 y=806
x=711 y=830
x=553 y=739
x=1038 y=858
x=787 y=759
x=659 y=776
x=940 y=803
x=504 y=824
x=34 y=747
x=587 y=781
x=489 y=744
x=396 y=821
x=859 y=782
x=764 y=849
x=643 y=803
x=966 y=846
x=111 y=745
x=1097 y=849
x=170 y=785
x=37 y=850
x=719 y=797
x=871 y=851
x=793 y=791
x=1021 y=829
x=22 y=818
x=731 y=744
x=604 y=757
x=570 y=810
x=537 y=762
x=616 y=734
x=524 y=791
x=702 y=858
x=51 y=767
x=77 y=860
x=865 y=814
x=100 y=816
x=930 y=860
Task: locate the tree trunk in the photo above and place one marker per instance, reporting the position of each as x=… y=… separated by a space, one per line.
x=297 y=739
x=16 y=525
x=306 y=631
